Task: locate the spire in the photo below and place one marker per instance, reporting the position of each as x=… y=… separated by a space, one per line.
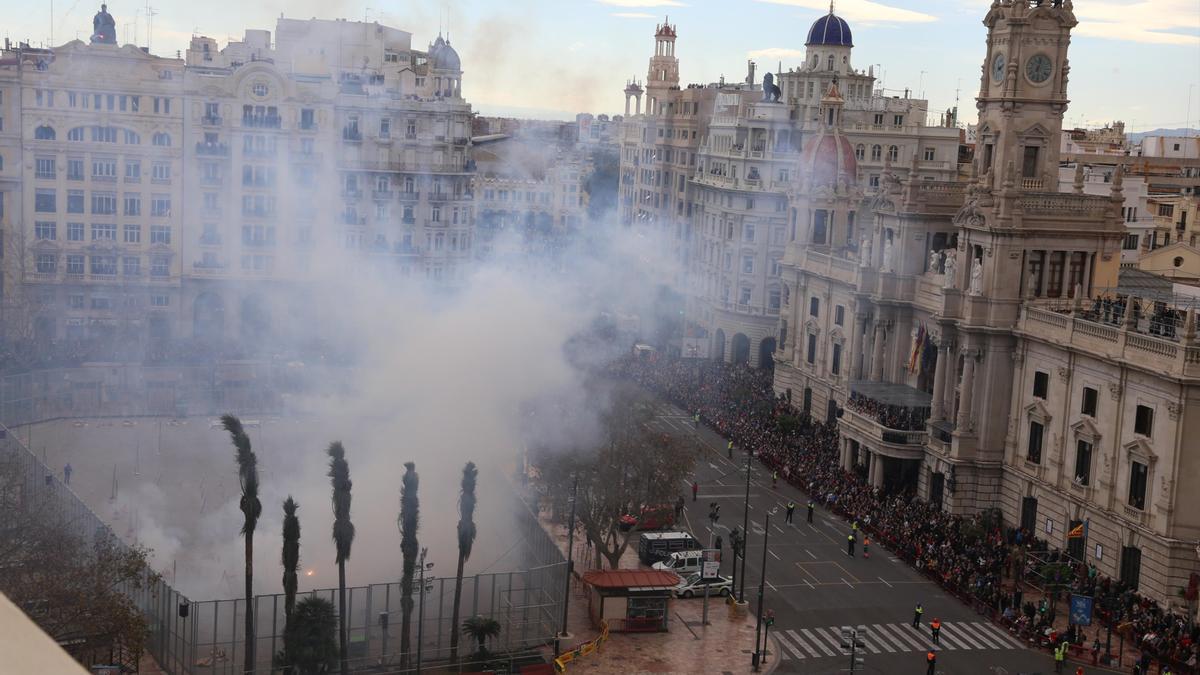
x=831 y=7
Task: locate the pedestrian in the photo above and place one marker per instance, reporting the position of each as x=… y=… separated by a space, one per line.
x=695 y=489
x=931 y=659
x=854 y=526
x=866 y=546
x=679 y=507
x=917 y=615
x=774 y=479
x=935 y=627
x=810 y=511
x=1079 y=670
x=1096 y=650
x=696 y=420
x=729 y=449
x=1060 y=656
x=716 y=512
x=791 y=509
x=67 y=473
x=850 y=545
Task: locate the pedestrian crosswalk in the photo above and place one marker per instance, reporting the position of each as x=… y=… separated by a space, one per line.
x=811 y=643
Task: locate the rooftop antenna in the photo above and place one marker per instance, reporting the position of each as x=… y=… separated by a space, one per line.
x=51 y=23
x=150 y=12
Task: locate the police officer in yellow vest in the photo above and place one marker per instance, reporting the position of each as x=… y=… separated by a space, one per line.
x=850 y=545
x=1060 y=656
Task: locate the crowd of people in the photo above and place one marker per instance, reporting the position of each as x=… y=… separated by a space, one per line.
x=968 y=556
x=890 y=416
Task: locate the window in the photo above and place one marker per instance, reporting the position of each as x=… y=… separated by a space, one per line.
x=104 y=169
x=898 y=120
x=75 y=134
x=75 y=301
x=160 y=266
x=74 y=169
x=104 y=203
x=839 y=315
x=45 y=133
x=162 y=139
x=44 y=201
x=873 y=180
x=876 y=153
x=104 y=232
x=1144 y=422
x=44 y=168
x=159 y=300
x=747 y=264
x=104 y=265
x=812 y=349
x=101 y=303
x=745 y=295
x=1034 y=453
x=1137 y=485
x=132 y=138
x=893 y=153
x=133 y=234
x=1041 y=384
x=929 y=154
x=161 y=172
x=814 y=306
x=75 y=265
x=74 y=231
x=133 y=171
x=1131 y=242
x=104 y=134
x=307 y=118
x=47 y=263
x=1088 y=406
x=74 y=201
x=385 y=127
x=160 y=206
x=1131 y=566
x=1083 y=463
x=160 y=234
x=260 y=89
x=133 y=204
x=835 y=365
x=747 y=232
x=773 y=299
x=860 y=151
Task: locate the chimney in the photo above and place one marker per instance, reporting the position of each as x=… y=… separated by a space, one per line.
x=750 y=73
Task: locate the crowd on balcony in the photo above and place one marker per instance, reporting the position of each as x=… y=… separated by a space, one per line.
x=890 y=416
x=968 y=556
x=1152 y=318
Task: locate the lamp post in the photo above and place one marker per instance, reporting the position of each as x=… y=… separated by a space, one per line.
x=570 y=565
x=756 y=658
x=421 y=605
x=745 y=527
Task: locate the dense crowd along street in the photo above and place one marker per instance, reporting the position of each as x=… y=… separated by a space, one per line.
x=978 y=559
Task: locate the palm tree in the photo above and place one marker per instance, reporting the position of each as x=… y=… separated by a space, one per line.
x=466 y=539
x=251 y=509
x=343 y=535
x=309 y=643
x=409 y=512
x=481 y=628
x=291 y=565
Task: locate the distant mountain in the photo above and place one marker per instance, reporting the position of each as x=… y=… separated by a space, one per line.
x=1163 y=132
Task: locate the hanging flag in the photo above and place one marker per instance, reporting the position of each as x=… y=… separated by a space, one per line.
x=915 y=355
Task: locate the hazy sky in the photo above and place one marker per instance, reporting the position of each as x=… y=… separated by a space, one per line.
x=1138 y=61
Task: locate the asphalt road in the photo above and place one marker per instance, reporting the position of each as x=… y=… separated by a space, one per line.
x=815 y=588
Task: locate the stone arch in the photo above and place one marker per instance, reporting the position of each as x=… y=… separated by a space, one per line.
x=740 y=349
x=208 y=316
x=766 y=354
x=254 y=318
x=718 y=348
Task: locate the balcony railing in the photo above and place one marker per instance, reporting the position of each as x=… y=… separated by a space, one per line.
x=210 y=239
x=353 y=135
x=211 y=120
x=212 y=149
x=262 y=121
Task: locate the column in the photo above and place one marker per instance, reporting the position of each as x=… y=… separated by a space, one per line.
x=847 y=456
x=877 y=352
x=939 y=385
x=948 y=382
x=968 y=386
x=1065 y=275
x=876 y=470
x=856 y=348
x=1087 y=275
x=871 y=467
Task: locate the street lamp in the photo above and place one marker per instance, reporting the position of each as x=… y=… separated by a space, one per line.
x=745 y=526
x=756 y=658
x=421 y=604
x=570 y=565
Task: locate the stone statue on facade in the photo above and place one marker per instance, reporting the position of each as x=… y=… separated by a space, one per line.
x=976 y=288
x=104 y=27
x=951 y=268
x=771 y=92
x=935 y=261
x=864 y=257
x=887 y=256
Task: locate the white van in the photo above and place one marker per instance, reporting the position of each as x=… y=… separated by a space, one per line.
x=682 y=563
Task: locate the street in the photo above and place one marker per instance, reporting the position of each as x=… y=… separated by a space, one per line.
x=815 y=588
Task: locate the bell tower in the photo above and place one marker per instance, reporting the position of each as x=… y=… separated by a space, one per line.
x=664 y=68
x=1023 y=93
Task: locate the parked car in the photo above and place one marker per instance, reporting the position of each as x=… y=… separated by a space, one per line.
x=653 y=518
x=694 y=585
x=682 y=562
x=658 y=546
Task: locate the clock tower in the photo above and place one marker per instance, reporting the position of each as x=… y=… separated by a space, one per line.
x=1023 y=93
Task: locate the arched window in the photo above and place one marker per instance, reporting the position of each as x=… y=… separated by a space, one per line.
x=132 y=138
x=860 y=151
x=162 y=138
x=44 y=133
x=75 y=134
x=893 y=153
x=829 y=63
x=876 y=153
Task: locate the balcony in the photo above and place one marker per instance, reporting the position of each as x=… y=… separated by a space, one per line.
x=208 y=266
x=351 y=193
x=258 y=243
x=212 y=149
x=403 y=249
x=888 y=418
x=214 y=181
x=307 y=125
x=211 y=239
x=352 y=134
x=261 y=121
x=1104 y=333
x=211 y=120
x=259 y=153
x=382 y=195
x=258 y=213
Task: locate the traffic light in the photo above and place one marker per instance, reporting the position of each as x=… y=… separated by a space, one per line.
x=769 y=617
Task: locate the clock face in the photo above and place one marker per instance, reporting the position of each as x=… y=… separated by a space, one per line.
x=1037 y=68
x=998 y=68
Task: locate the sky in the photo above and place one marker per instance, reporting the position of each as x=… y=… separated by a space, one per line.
x=1137 y=60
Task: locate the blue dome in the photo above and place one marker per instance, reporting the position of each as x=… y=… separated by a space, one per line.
x=830 y=30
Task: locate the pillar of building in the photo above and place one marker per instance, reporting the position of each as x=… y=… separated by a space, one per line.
x=876 y=470
x=1064 y=276
x=860 y=322
x=877 y=352
x=939 y=384
x=627 y=98
x=967 y=389
x=845 y=459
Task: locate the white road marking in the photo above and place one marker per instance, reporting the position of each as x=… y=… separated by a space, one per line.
x=884 y=581
x=785 y=646
x=773 y=556
x=811 y=554
x=802 y=642
x=819 y=643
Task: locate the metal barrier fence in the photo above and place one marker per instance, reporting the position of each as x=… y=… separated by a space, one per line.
x=210 y=639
